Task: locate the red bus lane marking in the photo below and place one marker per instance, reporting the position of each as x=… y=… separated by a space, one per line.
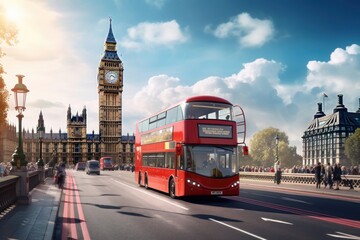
x=84 y=229
x=65 y=230
x=311 y=214
x=72 y=210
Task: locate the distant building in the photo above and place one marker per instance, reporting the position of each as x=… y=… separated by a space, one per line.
x=8 y=142
x=76 y=145
x=324 y=139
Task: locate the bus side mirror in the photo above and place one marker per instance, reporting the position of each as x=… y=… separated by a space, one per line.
x=178 y=149
x=245 y=150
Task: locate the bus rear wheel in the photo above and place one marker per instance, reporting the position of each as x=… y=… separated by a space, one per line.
x=146 y=182
x=139 y=180
x=172 y=188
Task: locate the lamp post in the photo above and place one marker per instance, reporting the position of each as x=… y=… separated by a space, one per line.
x=41 y=131
x=20 y=90
x=277 y=148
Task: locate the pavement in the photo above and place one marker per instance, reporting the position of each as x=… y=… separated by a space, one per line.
x=37 y=220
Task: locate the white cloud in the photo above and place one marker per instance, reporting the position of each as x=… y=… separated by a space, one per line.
x=153 y=34
x=250 y=32
x=156 y=3
x=258 y=89
x=338 y=75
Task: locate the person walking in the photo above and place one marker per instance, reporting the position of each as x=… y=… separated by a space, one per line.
x=318 y=175
x=337 y=175
x=60 y=173
x=277 y=168
x=329 y=175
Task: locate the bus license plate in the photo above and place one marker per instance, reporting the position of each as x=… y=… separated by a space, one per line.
x=216 y=192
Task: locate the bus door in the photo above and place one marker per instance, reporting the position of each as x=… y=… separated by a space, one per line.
x=179 y=160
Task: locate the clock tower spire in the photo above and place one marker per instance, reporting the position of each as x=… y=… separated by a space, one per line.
x=110 y=87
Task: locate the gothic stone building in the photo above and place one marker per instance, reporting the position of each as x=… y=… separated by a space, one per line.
x=324 y=139
x=76 y=144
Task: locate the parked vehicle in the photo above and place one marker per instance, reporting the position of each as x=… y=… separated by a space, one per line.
x=92 y=166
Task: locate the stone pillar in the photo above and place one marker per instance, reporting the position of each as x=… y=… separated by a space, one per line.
x=22 y=188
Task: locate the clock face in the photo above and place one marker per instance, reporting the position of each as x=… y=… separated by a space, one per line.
x=111 y=76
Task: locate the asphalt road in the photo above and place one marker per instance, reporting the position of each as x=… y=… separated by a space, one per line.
x=112 y=206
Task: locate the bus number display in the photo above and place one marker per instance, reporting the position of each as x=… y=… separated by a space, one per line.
x=215 y=131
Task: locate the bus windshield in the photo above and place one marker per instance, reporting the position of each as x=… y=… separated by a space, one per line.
x=208 y=110
x=211 y=161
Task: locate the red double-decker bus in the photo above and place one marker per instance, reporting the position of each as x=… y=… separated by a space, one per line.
x=190 y=149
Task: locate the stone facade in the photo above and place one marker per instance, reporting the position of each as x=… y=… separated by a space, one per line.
x=324 y=139
x=8 y=142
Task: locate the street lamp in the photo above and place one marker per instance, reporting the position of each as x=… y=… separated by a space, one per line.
x=277 y=148
x=41 y=131
x=20 y=90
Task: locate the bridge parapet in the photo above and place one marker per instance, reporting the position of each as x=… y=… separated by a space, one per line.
x=299 y=178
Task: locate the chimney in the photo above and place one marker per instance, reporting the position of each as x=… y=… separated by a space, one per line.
x=340 y=106
x=319 y=113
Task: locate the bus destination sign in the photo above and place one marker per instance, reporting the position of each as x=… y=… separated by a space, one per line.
x=215 y=131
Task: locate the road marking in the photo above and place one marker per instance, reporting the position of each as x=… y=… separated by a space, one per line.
x=152 y=195
x=295 y=200
x=274 y=220
x=344 y=236
x=237 y=229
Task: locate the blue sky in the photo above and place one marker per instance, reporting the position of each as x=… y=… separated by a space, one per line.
x=274 y=58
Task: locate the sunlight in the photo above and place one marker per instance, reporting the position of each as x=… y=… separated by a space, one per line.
x=13 y=14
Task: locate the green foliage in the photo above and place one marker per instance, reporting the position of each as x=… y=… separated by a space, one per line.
x=263 y=149
x=352 y=148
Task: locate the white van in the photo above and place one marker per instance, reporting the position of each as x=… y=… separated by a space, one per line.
x=92 y=166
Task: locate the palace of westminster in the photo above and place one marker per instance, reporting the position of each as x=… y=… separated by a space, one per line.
x=323 y=139
x=76 y=145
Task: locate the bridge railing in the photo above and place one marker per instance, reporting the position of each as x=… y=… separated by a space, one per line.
x=299 y=178
x=9 y=186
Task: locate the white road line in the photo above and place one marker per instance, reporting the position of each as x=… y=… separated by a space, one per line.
x=274 y=220
x=152 y=195
x=295 y=200
x=237 y=229
x=344 y=236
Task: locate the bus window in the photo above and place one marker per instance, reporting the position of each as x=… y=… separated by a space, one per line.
x=171 y=115
x=170 y=160
x=208 y=110
x=160 y=160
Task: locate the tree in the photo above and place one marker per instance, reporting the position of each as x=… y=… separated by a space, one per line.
x=8 y=33
x=352 y=148
x=263 y=149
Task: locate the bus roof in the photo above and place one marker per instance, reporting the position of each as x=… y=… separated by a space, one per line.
x=200 y=98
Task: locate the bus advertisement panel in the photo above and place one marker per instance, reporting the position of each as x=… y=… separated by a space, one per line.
x=106 y=163
x=190 y=148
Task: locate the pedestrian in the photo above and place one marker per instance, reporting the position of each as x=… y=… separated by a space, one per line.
x=318 y=174
x=329 y=175
x=337 y=175
x=277 y=169
x=60 y=173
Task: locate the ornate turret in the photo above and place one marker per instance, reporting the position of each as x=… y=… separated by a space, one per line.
x=84 y=113
x=110 y=47
x=41 y=124
x=69 y=114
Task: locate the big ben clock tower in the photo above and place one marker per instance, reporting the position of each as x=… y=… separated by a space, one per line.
x=110 y=87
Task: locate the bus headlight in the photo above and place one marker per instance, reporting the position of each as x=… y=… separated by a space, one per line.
x=193 y=183
x=235 y=184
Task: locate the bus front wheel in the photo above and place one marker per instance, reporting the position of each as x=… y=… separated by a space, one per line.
x=172 y=188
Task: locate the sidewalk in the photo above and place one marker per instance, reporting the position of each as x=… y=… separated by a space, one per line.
x=343 y=192
x=35 y=221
